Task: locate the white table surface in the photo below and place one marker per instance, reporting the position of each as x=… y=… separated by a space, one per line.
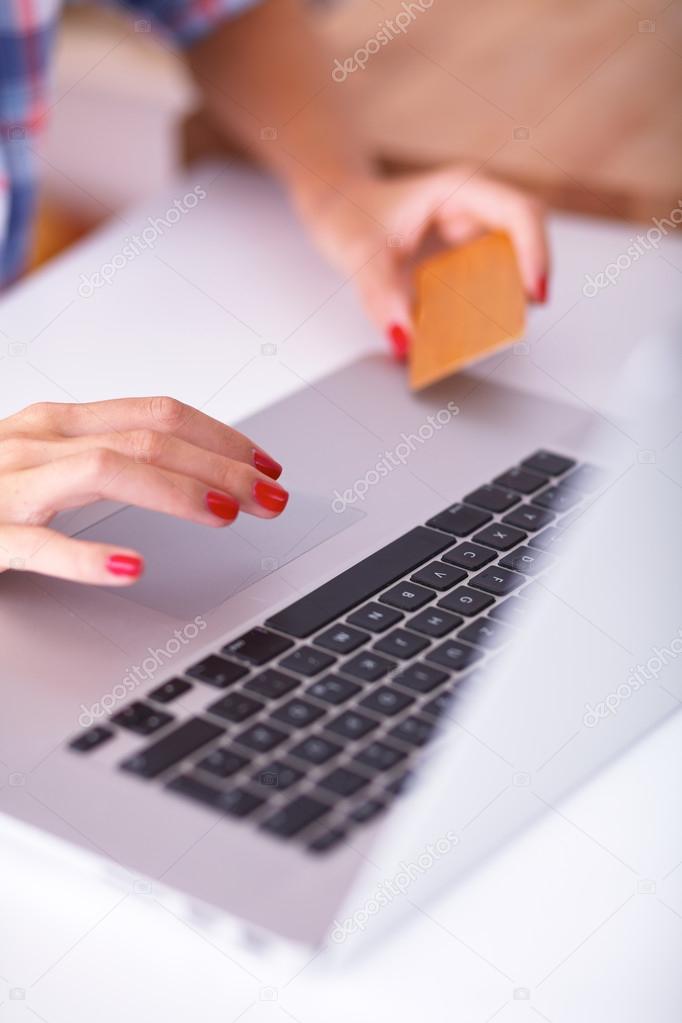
x=578 y=919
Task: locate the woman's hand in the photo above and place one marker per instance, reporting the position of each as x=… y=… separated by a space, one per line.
x=371 y=227
x=152 y=452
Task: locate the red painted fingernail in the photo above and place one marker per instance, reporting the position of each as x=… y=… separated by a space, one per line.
x=400 y=341
x=541 y=289
x=222 y=505
x=270 y=496
x=125 y=564
x=268 y=466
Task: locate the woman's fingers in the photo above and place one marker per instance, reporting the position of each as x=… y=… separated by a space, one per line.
x=386 y=299
x=37 y=549
x=32 y=496
x=501 y=207
x=159 y=414
x=147 y=447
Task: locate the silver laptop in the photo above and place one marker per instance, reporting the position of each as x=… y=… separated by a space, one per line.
x=472 y=602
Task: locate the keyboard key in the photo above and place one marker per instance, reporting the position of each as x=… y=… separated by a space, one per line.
x=341 y=639
x=512 y=611
x=399 y=784
x=327 y=840
x=216 y=671
x=307 y=661
x=257 y=646
x=386 y=701
x=433 y=622
x=379 y=757
x=140 y=718
x=375 y=617
x=343 y=782
x=460 y=520
x=170 y=690
x=492 y=498
x=261 y=737
x=549 y=463
x=297 y=713
x=455 y=655
x=401 y=643
x=438 y=575
x=469 y=555
x=525 y=559
x=497 y=581
x=368 y=667
x=223 y=763
x=272 y=684
x=236 y=803
x=414 y=731
x=235 y=707
x=295 y=817
x=277 y=776
x=91 y=739
x=439 y=705
x=528 y=517
x=173 y=748
x=351 y=725
x=367 y=810
x=422 y=677
x=465 y=600
x=359 y=583
x=523 y=480
x=558 y=499
x=485 y=633
x=407 y=596
x=316 y=749
x=500 y=537
x=333 y=689
x=550 y=539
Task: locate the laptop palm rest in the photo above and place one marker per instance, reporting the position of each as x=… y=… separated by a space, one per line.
x=191 y=569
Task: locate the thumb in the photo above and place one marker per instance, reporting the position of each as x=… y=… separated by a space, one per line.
x=385 y=296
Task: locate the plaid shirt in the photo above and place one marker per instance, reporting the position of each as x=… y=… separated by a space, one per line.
x=27 y=36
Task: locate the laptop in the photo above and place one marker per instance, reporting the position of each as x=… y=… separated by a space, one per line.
x=310 y=727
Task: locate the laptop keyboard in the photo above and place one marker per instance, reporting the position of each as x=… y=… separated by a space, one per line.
x=314 y=720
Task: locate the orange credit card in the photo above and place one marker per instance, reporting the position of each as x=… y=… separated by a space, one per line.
x=470 y=303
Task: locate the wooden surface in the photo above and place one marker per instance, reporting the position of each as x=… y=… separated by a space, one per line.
x=579 y=98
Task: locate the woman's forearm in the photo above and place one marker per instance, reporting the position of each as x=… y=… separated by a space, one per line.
x=266 y=82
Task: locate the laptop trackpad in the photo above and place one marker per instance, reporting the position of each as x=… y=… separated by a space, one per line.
x=191 y=569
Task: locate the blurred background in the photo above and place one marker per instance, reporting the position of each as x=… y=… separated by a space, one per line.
x=578 y=100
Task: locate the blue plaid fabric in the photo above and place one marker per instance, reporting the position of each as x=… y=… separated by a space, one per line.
x=27 y=36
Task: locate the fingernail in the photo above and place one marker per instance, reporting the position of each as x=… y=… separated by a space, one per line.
x=541 y=289
x=268 y=466
x=270 y=496
x=400 y=341
x=125 y=564
x=222 y=505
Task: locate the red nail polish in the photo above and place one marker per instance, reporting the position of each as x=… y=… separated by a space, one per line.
x=125 y=564
x=541 y=290
x=270 y=496
x=222 y=505
x=400 y=342
x=268 y=466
